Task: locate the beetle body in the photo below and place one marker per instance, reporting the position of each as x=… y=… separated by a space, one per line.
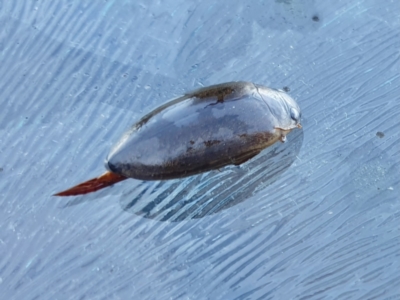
x=202 y=131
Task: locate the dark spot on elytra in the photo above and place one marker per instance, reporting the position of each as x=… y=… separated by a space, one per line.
x=219 y=93
x=380 y=134
x=211 y=142
x=315 y=18
x=286 y=89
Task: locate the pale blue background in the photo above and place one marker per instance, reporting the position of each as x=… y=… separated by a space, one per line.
x=75 y=74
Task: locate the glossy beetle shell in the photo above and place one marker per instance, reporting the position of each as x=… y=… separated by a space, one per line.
x=204 y=130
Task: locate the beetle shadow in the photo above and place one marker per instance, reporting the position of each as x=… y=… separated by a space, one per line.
x=209 y=193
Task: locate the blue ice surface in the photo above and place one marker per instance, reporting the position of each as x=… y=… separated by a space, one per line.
x=74 y=75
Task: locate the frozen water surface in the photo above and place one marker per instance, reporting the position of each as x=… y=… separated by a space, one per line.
x=317 y=218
